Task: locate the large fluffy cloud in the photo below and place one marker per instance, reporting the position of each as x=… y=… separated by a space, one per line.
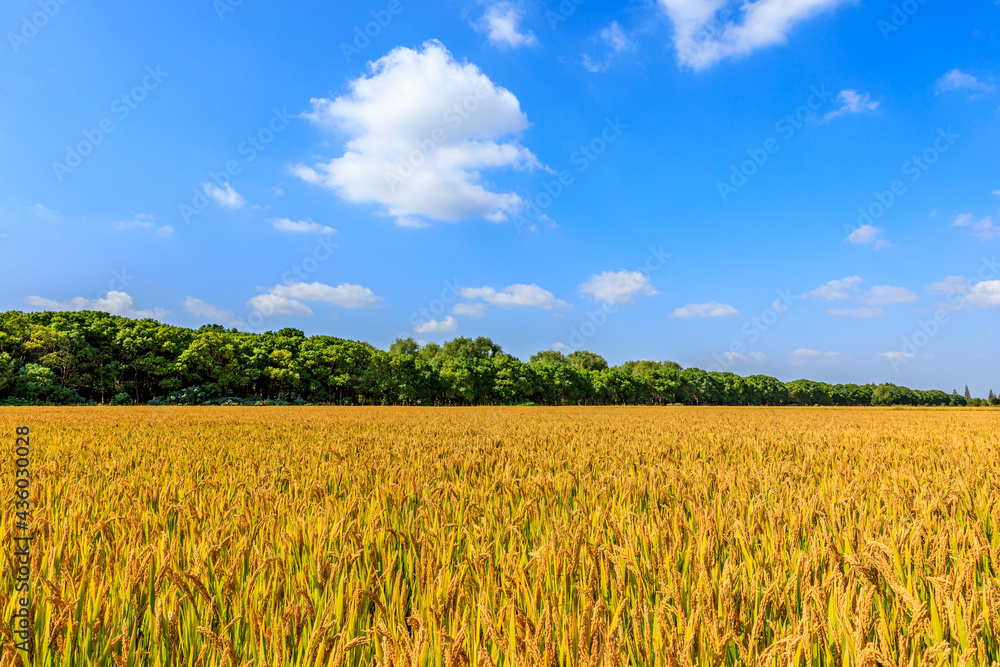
x=205 y=310
x=422 y=127
x=707 y=31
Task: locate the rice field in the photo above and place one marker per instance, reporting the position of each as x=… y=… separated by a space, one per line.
x=507 y=536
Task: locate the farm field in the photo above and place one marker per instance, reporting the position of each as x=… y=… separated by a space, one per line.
x=509 y=536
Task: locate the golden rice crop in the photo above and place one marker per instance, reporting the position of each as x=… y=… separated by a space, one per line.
x=509 y=536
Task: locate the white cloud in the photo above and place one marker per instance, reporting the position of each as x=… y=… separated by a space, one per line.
x=274 y=304
x=950 y=285
x=897 y=356
x=710 y=309
x=837 y=290
x=286 y=299
x=850 y=289
x=618 y=286
x=515 y=295
x=956 y=79
x=226 y=196
x=115 y=303
x=868 y=235
x=985 y=294
x=614 y=36
x=984 y=229
x=616 y=40
x=343 y=295
x=707 y=31
x=301 y=226
x=851 y=102
x=857 y=313
x=144 y=221
x=447 y=325
x=804 y=354
x=884 y=295
x=199 y=308
x=501 y=24
x=730 y=358
x=469 y=309
x=422 y=127
x=44 y=213
x=561 y=347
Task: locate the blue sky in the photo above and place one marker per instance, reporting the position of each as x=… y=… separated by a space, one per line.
x=805 y=188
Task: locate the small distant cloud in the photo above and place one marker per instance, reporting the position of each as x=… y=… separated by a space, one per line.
x=44 y=213
x=515 y=295
x=885 y=295
x=837 y=290
x=709 y=31
x=201 y=309
x=803 y=355
x=618 y=286
x=868 y=235
x=287 y=298
x=850 y=288
x=114 y=303
x=897 y=356
x=144 y=221
x=950 y=285
x=501 y=23
x=730 y=358
x=852 y=102
x=226 y=196
x=300 y=227
x=275 y=304
x=985 y=294
x=613 y=36
x=857 y=313
x=561 y=347
x=956 y=80
x=710 y=309
x=469 y=309
x=447 y=325
x=984 y=229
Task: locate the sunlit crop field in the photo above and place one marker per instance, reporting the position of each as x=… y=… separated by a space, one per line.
x=509 y=536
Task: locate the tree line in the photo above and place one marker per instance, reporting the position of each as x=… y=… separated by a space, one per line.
x=65 y=358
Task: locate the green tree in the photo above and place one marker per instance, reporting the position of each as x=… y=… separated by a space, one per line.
x=406 y=346
x=467 y=348
x=548 y=357
x=586 y=361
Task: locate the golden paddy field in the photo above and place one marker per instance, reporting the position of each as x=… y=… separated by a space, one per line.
x=508 y=536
